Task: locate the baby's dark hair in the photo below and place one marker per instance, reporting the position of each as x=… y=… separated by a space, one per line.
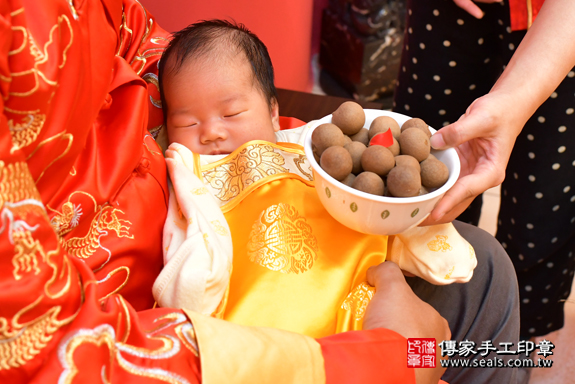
x=199 y=39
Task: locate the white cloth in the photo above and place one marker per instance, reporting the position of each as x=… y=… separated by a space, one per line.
x=197 y=242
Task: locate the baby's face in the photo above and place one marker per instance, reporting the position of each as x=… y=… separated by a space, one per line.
x=213 y=108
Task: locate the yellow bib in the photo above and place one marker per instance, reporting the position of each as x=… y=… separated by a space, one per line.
x=294 y=267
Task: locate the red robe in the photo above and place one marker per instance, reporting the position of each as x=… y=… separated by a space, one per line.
x=83 y=198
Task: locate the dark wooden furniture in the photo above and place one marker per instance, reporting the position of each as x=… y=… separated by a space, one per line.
x=308 y=106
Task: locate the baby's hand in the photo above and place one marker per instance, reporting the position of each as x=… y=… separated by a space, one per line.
x=394 y=306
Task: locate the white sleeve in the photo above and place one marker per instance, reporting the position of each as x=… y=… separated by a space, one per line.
x=197 y=242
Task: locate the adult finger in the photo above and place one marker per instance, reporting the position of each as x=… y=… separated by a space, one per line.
x=455 y=134
x=461 y=195
x=447 y=217
x=470 y=7
x=384 y=275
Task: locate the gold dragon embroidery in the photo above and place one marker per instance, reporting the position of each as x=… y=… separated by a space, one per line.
x=107 y=219
x=16 y=184
x=25 y=250
x=21 y=342
x=27 y=132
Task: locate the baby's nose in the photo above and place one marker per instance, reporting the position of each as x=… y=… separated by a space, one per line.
x=213 y=130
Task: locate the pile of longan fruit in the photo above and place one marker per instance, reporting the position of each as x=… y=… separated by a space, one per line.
x=346 y=151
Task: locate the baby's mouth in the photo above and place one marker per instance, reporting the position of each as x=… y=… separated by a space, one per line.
x=218 y=152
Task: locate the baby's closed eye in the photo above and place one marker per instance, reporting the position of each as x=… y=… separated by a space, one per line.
x=234 y=114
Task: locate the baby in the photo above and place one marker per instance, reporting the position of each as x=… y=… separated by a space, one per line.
x=242 y=199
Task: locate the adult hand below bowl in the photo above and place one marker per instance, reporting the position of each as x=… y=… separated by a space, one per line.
x=372 y=214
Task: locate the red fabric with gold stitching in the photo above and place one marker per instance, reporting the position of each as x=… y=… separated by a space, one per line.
x=83 y=200
x=520 y=14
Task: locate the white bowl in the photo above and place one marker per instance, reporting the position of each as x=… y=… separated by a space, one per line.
x=377 y=215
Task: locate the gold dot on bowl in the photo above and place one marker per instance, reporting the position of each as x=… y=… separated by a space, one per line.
x=415 y=212
x=385 y=214
x=353 y=207
x=327 y=192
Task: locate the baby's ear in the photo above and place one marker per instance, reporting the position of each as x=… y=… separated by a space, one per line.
x=275 y=114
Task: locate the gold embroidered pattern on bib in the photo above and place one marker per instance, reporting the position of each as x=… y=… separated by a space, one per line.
x=250 y=165
x=281 y=240
x=358 y=299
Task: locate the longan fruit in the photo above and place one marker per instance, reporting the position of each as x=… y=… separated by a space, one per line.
x=377 y=159
x=362 y=136
x=416 y=123
x=315 y=155
x=433 y=173
x=382 y=124
x=337 y=162
x=349 y=117
x=325 y=136
x=346 y=140
x=404 y=181
x=355 y=149
x=415 y=143
x=369 y=182
x=349 y=180
x=408 y=161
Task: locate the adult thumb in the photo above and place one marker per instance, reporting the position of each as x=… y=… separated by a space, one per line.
x=452 y=135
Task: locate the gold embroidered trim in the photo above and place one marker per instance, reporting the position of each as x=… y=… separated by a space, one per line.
x=358 y=299
x=16 y=12
x=529 y=14
x=439 y=244
x=123 y=27
x=253 y=163
x=281 y=240
x=112 y=273
x=62 y=136
x=25 y=37
x=18 y=112
x=41 y=56
x=72 y=9
x=187 y=335
x=287 y=147
x=104 y=335
x=152 y=78
x=148 y=148
x=299 y=161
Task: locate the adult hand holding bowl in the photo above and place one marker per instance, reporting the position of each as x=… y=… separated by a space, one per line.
x=370 y=213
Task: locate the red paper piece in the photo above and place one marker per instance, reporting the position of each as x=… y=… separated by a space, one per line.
x=385 y=139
